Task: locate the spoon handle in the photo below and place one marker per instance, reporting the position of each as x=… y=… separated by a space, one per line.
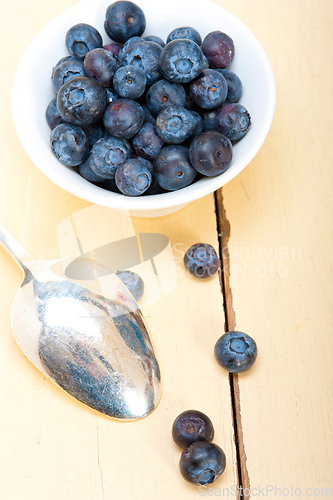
x=16 y=250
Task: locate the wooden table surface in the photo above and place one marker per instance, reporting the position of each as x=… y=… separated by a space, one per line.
x=275 y=230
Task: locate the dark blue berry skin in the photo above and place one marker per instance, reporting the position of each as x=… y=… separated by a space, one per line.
x=114 y=48
x=111 y=95
x=106 y=156
x=236 y=352
x=66 y=71
x=235 y=86
x=185 y=32
x=110 y=185
x=130 y=43
x=94 y=132
x=144 y=55
x=172 y=168
x=133 y=282
x=197 y=130
x=202 y=463
x=134 y=176
x=201 y=260
x=211 y=153
x=82 y=101
x=149 y=118
x=52 y=115
x=233 y=121
x=209 y=89
x=163 y=93
x=147 y=143
x=123 y=118
x=69 y=144
x=82 y=38
x=101 y=65
x=192 y=426
x=154 y=188
x=130 y=82
x=209 y=117
x=124 y=20
x=63 y=59
x=219 y=49
x=156 y=39
x=181 y=61
x=87 y=173
x=175 y=124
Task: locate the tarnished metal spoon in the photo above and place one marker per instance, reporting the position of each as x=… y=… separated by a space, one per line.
x=95 y=347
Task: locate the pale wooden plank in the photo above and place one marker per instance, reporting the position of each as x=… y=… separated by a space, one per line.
x=280 y=212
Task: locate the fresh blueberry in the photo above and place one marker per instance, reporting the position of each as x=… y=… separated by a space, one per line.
x=192 y=426
x=82 y=38
x=172 y=168
x=202 y=463
x=133 y=177
x=149 y=118
x=234 y=85
x=87 y=173
x=209 y=89
x=209 y=117
x=111 y=95
x=201 y=260
x=163 y=93
x=181 y=61
x=156 y=39
x=133 y=282
x=233 y=121
x=154 y=188
x=147 y=143
x=130 y=81
x=82 y=101
x=101 y=65
x=114 y=48
x=236 y=352
x=66 y=71
x=69 y=144
x=124 y=20
x=110 y=185
x=107 y=154
x=129 y=43
x=198 y=126
x=63 y=59
x=94 y=132
x=219 y=49
x=123 y=118
x=52 y=115
x=211 y=153
x=185 y=32
x=144 y=55
x=175 y=124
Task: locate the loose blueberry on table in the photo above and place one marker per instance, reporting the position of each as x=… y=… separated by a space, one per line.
x=192 y=426
x=201 y=260
x=236 y=352
x=133 y=282
x=202 y=463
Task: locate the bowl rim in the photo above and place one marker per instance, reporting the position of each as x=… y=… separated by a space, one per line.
x=100 y=196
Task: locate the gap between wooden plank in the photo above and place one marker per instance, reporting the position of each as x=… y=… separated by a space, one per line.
x=223 y=229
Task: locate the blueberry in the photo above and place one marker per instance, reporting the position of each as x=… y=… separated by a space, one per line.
x=69 y=144
x=181 y=60
x=233 y=121
x=101 y=65
x=147 y=143
x=52 y=115
x=236 y=352
x=202 y=463
x=107 y=154
x=129 y=43
x=209 y=89
x=219 y=49
x=133 y=282
x=114 y=48
x=94 y=132
x=156 y=39
x=192 y=426
x=66 y=71
x=110 y=185
x=87 y=173
x=82 y=101
x=144 y=55
x=185 y=32
x=124 y=20
x=163 y=93
x=154 y=188
x=63 y=59
x=123 y=118
x=211 y=153
x=82 y=38
x=234 y=85
x=175 y=124
x=130 y=81
x=198 y=126
x=209 y=117
x=133 y=177
x=149 y=118
x=201 y=260
x=111 y=95
x=173 y=169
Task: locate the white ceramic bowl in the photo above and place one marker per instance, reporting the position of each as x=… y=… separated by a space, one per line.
x=32 y=91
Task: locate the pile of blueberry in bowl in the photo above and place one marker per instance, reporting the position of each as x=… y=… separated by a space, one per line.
x=142 y=118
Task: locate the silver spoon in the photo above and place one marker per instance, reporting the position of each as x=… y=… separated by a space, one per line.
x=95 y=347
